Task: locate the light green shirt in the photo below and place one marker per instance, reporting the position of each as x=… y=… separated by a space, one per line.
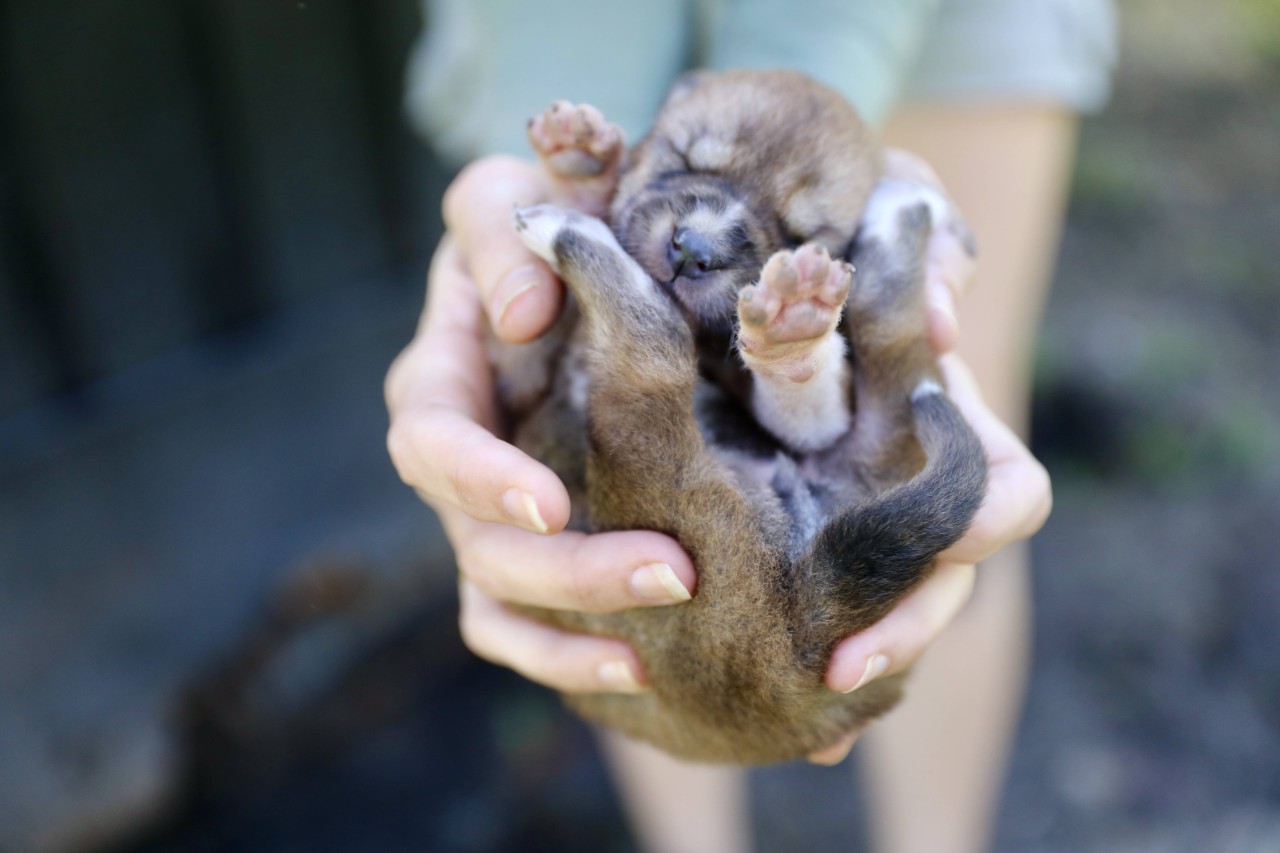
x=485 y=66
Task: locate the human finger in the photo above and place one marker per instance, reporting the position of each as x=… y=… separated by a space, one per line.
x=895 y=642
x=451 y=460
x=521 y=295
x=573 y=663
x=597 y=573
x=1019 y=495
x=948 y=270
x=440 y=396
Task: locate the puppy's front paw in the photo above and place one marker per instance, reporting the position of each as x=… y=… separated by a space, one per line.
x=575 y=141
x=787 y=338
x=793 y=309
x=799 y=297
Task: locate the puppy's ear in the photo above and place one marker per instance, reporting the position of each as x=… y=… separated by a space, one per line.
x=684 y=84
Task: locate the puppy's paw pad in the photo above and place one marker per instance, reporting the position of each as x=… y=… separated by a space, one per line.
x=799 y=298
x=575 y=141
x=757 y=305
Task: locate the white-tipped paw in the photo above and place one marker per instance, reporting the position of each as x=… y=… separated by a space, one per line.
x=541 y=225
x=892 y=196
x=926 y=388
x=538 y=226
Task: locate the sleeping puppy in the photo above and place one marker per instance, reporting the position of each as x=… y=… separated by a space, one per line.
x=720 y=376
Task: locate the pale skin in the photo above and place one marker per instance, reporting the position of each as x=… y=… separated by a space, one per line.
x=504 y=512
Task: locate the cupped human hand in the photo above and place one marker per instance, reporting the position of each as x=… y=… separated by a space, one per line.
x=1018 y=497
x=504 y=512
x=1016 y=505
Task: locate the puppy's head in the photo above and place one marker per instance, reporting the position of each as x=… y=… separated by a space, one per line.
x=699 y=237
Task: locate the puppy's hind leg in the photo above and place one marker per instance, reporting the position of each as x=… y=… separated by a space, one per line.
x=641 y=371
x=924 y=461
x=787 y=338
x=581 y=153
x=885 y=320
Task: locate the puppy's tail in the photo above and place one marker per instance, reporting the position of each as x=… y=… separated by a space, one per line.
x=867 y=557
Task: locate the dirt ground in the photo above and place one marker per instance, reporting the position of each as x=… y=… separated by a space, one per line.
x=1153 y=717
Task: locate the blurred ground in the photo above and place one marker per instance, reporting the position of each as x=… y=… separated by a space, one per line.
x=350 y=717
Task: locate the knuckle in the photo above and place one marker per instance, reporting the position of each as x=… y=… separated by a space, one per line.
x=539 y=661
x=477 y=642
x=475 y=633
x=488 y=567
x=479 y=179
x=481 y=573
x=460 y=188
x=582 y=583
x=583 y=593
x=987 y=532
x=400 y=447
x=464 y=479
x=468 y=566
x=394 y=381
x=1044 y=502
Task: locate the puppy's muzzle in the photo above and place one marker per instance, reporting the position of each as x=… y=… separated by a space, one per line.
x=691 y=255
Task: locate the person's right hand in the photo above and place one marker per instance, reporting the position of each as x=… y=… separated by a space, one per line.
x=503 y=512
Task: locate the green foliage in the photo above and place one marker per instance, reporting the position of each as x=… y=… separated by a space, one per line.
x=1262 y=20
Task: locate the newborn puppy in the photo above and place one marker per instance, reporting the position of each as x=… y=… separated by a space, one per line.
x=814 y=487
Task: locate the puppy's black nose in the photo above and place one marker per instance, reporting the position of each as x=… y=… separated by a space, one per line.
x=690 y=254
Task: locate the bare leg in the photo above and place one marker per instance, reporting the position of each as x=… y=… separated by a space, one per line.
x=937 y=763
x=675 y=807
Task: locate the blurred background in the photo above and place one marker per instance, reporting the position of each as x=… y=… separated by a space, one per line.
x=226 y=626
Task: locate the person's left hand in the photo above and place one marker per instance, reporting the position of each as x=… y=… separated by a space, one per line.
x=1016 y=504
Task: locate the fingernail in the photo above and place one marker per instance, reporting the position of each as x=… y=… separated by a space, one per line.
x=658 y=582
x=523 y=508
x=512 y=287
x=876 y=665
x=617 y=675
